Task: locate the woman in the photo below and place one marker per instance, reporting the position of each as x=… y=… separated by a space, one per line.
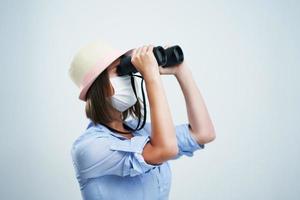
x=112 y=160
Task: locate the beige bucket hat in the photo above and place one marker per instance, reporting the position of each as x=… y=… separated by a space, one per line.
x=90 y=61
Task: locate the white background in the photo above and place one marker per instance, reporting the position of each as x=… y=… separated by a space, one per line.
x=244 y=56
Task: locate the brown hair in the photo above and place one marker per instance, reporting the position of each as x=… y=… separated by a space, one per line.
x=98 y=106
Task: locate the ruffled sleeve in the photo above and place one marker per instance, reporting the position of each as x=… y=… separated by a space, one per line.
x=187 y=143
x=112 y=156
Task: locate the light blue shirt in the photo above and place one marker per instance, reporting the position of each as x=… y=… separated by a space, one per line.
x=109 y=166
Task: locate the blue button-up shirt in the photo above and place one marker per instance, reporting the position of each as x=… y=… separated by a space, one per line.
x=111 y=166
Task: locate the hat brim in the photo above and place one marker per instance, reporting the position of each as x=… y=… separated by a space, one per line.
x=97 y=72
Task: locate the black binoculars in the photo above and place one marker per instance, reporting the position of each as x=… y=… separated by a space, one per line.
x=165 y=58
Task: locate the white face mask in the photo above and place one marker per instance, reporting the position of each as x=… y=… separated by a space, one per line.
x=124 y=96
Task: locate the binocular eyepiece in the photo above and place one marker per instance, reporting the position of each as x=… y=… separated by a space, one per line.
x=165 y=58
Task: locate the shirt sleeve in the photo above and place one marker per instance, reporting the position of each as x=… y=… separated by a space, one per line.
x=111 y=156
x=187 y=143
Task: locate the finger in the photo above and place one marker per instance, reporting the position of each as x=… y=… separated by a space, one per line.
x=133 y=52
x=144 y=49
x=150 y=48
x=138 y=51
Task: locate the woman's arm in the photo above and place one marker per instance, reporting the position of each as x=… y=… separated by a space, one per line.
x=199 y=119
x=163 y=142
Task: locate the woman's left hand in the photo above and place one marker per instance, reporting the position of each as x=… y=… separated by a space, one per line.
x=172 y=69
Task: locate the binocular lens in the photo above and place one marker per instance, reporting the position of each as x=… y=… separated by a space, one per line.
x=174 y=55
x=160 y=55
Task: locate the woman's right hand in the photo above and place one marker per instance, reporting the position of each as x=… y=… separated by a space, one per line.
x=144 y=61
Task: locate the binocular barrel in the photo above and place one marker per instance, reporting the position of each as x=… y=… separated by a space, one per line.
x=165 y=58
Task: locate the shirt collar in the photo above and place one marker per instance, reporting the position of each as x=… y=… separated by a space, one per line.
x=128 y=123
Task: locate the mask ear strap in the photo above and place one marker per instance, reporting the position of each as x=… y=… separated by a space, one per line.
x=144 y=101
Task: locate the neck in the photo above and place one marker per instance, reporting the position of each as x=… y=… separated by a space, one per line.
x=117 y=124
